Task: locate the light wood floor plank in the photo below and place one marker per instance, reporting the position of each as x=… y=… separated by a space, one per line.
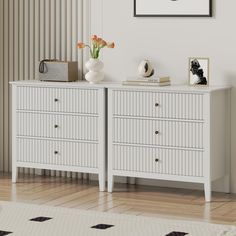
x=126 y=199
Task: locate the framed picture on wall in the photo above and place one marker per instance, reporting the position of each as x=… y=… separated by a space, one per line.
x=175 y=8
x=199 y=71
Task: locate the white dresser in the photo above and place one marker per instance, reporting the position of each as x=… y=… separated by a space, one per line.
x=58 y=126
x=175 y=133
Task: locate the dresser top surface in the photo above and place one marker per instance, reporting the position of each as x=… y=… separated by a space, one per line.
x=118 y=85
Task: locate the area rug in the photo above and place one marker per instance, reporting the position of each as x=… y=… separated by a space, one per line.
x=18 y=219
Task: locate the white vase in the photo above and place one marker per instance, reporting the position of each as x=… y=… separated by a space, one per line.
x=95 y=74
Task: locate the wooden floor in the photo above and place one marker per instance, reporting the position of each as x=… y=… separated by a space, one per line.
x=126 y=199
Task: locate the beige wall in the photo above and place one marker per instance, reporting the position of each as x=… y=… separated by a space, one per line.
x=31 y=30
x=168 y=43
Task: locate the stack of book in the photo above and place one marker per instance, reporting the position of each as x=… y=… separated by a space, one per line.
x=152 y=81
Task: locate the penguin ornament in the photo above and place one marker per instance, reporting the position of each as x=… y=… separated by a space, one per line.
x=145 y=69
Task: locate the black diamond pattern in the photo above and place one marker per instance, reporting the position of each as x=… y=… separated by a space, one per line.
x=3 y=233
x=174 y=233
x=102 y=226
x=40 y=219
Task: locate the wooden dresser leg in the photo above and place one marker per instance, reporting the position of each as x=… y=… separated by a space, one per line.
x=110 y=183
x=207 y=189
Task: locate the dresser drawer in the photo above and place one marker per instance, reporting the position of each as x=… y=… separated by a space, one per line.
x=158 y=160
x=57 y=126
x=158 y=132
x=71 y=100
x=57 y=153
x=158 y=104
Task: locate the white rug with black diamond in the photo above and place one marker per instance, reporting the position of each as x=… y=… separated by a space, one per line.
x=18 y=219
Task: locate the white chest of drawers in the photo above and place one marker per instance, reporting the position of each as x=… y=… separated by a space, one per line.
x=58 y=126
x=176 y=134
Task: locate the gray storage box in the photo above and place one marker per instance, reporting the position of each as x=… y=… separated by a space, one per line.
x=58 y=71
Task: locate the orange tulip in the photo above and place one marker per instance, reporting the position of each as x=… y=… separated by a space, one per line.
x=99 y=40
x=94 y=37
x=111 y=45
x=96 y=45
x=103 y=43
x=80 y=45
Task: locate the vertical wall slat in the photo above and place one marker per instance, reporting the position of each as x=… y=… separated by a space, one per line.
x=74 y=29
x=21 y=41
x=11 y=71
x=63 y=29
x=36 y=36
x=58 y=29
x=16 y=40
x=26 y=47
x=69 y=29
x=5 y=84
x=31 y=38
x=42 y=29
x=53 y=29
x=1 y=81
x=26 y=22
x=47 y=36
x=68 y=57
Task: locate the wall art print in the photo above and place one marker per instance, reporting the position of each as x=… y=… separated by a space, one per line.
x=199 y=71
x=175 y=8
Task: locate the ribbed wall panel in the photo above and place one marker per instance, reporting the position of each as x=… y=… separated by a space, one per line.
x=31 y=30
x=170 y=105
x=171 y=161
x=69 y=100
x=1 y=88
x=57 y=126
x=69 y=153
x=170 y=133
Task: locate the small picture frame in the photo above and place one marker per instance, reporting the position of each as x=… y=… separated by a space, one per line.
x=199 y=71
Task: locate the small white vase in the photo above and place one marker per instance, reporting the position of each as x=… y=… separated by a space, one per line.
x=95 y=74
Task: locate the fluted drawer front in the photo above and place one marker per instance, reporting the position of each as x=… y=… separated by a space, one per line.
x=71 y=100
x=158 y=104
x=158 y=132
x=57 y=126
x=158 y=160
x=57 y=153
